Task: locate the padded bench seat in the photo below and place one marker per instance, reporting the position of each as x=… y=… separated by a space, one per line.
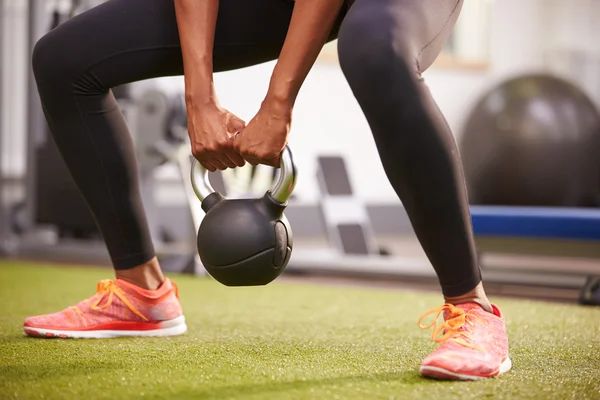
x=557 y=223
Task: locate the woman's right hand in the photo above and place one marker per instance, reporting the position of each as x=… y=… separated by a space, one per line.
x=211 y=129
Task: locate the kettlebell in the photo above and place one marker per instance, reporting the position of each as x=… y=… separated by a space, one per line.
x=245 y=242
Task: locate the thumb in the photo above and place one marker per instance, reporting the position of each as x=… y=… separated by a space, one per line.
x=235 y=124
x=236 y=140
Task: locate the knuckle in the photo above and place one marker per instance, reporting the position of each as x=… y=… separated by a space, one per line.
x=198 y=150
x=225 y=144
x=218 y=149
x=210 y=148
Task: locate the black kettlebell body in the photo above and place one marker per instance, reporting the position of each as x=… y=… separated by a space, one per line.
x=244 y=242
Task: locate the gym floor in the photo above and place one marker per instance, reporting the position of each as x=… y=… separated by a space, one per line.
x=296 y=338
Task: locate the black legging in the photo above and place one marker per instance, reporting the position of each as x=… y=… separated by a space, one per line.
x=384 y=45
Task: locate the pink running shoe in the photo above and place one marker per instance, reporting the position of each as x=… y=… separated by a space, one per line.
x=118 y=309
x=474 y=343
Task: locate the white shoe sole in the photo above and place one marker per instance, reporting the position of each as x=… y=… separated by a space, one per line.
x=172 y=327
x=442 y=373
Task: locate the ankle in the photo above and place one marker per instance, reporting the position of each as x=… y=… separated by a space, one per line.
x=484 y=303
x=477 y=295
x=146 y=276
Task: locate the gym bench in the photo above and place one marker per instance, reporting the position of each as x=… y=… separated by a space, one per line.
x=570 y=236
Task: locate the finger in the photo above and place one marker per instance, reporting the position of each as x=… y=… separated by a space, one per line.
x=236 y=158
x=218 y=164
x=251 y=159
x=235 y=125
x=228 y=161
x=236 y=142
x=208 y=165
x=223 y=159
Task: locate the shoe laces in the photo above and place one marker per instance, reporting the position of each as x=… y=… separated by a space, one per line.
x=455 y=328
x=108 y=289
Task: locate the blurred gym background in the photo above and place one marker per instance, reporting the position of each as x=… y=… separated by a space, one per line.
x=519 y=83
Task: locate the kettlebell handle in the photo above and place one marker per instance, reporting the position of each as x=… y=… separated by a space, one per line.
x=281 y=192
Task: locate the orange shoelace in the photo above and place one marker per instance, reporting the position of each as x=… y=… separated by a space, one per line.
x=455 y=328
x=108 y=288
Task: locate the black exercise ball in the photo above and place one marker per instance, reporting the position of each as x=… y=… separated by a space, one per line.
x=533 y=141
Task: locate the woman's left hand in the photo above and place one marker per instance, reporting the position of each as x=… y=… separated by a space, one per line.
x=264 y=138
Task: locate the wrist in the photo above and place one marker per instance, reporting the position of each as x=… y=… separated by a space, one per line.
x=199 y=84
x=279 y=103
x=279 y=100
x=283 y=90
x=200 y=93
x=279 y=106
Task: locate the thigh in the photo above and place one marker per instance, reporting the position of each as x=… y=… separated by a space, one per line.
x=122 y=41
x=421 y=27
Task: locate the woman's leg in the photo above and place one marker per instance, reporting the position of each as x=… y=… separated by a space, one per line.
x=384 y=46
x=75 y=65
x=118 y=42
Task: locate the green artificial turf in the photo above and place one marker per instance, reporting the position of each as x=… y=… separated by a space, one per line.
x=285 y=341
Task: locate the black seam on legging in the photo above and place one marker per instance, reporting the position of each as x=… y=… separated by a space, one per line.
x=86 y=70
x=106 y=180
x=436 y=36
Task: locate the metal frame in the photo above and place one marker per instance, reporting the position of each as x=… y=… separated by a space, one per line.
x=38 y=20
x=5 y=236
x=3 y=213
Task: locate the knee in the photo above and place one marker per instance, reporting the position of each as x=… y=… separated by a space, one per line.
x=371 y=50
x=51 y=61
x=43 y=58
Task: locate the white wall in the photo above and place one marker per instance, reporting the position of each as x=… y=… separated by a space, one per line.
x=13 y=72
x=571 y=47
